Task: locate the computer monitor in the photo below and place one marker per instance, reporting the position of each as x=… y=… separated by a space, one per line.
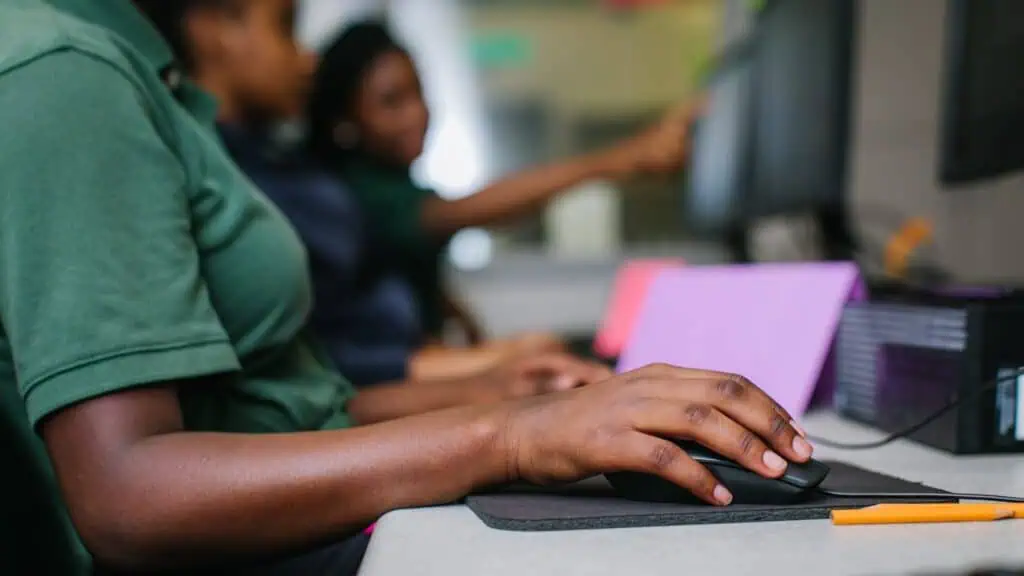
x=983 y=108
x=802 y=110
x=719 y=173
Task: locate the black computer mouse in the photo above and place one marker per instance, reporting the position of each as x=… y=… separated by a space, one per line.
x=747 y=487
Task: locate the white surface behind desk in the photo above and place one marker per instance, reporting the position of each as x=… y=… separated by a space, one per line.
x=451 y=541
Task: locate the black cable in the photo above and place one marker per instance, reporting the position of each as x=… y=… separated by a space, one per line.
x=920 y=496
x=953 y=403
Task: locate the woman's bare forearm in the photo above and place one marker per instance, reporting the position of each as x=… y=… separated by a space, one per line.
x=520 y=194
x=433 y=365
x=391 y=401
x=174 y=499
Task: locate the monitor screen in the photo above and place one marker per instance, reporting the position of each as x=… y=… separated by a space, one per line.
x=983 y=125
x=720 y=168
x=802 y=105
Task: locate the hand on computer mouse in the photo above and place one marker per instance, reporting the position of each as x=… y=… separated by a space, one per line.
x=621 y=425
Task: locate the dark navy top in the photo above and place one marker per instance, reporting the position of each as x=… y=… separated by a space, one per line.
x=369 y=323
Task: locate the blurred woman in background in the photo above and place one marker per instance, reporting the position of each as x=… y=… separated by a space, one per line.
x=368 y=322
x=368 y=122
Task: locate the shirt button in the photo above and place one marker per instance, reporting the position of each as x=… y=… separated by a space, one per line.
x=172 y=77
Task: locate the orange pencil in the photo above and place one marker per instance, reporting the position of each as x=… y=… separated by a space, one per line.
x=1017 y=509
x=924 y=513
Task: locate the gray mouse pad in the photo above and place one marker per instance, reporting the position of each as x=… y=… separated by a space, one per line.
x=593 y=504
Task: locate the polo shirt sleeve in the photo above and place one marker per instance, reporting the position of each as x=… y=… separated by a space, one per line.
x=393 y=208
x=399 y=214
x=399 y=238
x=100 y=284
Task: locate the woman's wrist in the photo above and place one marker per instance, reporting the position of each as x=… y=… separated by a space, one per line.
x=616 y=162
x=494 y=426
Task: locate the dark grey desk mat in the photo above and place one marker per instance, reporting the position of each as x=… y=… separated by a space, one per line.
x=593 y=504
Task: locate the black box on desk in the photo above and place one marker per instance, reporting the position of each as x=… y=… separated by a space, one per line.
x=905 y=353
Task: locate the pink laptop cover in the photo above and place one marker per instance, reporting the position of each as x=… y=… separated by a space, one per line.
x=773 y=323
x=632 y=282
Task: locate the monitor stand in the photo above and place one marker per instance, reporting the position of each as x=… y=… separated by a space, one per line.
x=835 y=240
x=737 y=242
x=835 y=235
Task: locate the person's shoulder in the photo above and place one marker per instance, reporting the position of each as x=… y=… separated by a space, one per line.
x=53 y=60
x=60 y=81
x=31 y=31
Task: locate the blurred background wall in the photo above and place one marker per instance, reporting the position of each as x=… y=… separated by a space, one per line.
x=978 y=227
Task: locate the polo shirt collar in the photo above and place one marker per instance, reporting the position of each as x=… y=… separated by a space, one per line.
x=125 y=20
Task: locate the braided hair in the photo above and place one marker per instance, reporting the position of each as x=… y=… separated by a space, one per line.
x=343 y=67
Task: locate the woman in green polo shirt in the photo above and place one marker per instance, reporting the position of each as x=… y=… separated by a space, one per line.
x=368 y=120
x=157 y=382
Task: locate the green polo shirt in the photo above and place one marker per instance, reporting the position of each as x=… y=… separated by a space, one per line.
x=133 y=251
x=392 y=204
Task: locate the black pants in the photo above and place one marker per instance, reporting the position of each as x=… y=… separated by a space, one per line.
x=341 y=559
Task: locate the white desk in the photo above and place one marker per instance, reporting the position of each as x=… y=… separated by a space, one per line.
x=451 y=541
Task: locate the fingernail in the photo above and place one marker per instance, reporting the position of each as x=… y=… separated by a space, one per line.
x=773 y=461
x=799 y=429
x=722 y=495
x=801 y=447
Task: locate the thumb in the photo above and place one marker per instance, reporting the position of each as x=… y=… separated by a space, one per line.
x=563 y=372
x=562 y=382
x=553 y=367
x=548 y=365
